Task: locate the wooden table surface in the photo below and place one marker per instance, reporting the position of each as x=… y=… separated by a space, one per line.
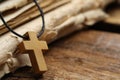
x=84 y=55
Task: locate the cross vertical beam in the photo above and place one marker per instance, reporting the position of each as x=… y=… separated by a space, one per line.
x=34 y=48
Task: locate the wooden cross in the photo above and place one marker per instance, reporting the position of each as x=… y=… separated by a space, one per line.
x=34 y=48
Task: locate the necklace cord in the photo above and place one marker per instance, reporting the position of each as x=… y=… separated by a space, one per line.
x=24 y=37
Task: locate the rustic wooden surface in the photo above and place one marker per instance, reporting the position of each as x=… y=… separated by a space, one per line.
x=86 y=55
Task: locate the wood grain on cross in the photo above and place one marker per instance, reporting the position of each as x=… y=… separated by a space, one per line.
x=34 y=48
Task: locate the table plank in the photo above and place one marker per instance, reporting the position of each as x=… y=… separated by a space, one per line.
x=86 y=55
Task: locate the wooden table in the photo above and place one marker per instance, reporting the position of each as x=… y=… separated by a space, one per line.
x=84 y=55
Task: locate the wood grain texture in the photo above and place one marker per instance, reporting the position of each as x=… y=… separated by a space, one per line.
x=87 y=55
x=34 y=48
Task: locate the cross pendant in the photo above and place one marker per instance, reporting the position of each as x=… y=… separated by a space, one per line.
x=34 y=48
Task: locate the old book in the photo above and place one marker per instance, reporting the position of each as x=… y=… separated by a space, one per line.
x=12 y=4
x=60 y=22
x=29 y=12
